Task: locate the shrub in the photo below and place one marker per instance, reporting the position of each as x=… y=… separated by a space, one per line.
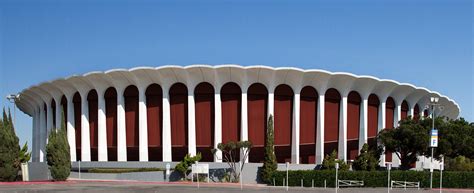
x=329 y=162
x=375 y=178
x=270 y=163
x=57 y=153
x=9 y=149
x=367 y=159
x=188 y=160
x=459 y=163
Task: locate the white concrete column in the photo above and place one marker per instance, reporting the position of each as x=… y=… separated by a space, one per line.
x=342 y=150
x=295 y=141
x=364 y=123
x=167 y=154
x=85 y=132
x=71 y=130
x=412 y=112
x=121 y=132
x=217 y=125
x=34 y=138
x=191 y=123
x=244 y=122
x=381 y=123
x=422 y=114
x=142 y=126
x=102 y=127
x=49 y=120
x=271 y=103
x=398 y=115
x=42 y=133
x=320 y=131
x=59 y=114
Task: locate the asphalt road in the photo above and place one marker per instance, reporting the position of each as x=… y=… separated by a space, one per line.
x=142 y=187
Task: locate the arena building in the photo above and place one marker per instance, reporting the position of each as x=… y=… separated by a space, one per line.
x=160 y=114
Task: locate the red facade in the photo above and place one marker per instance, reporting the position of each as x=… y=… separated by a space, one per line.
x=131 y=122
x=231 y=112
x=404 y=110
x=389 y=122
x=154 y=109
x=111 y=122
x=77 y=123
x=353 y=125
x=331 y=120
x=204 y=117
x=283 y=122
x=257 y=100
x=373 y=120
x=93 y=127
x=308 y=124
x=179 y=120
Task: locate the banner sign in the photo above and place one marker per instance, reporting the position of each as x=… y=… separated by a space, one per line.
x=434 y=138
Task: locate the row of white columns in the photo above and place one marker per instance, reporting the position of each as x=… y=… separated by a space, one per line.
x=42 y=127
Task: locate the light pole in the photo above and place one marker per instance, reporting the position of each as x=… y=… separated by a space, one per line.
x=13 y=98
x=434 y=103
x=337 y=180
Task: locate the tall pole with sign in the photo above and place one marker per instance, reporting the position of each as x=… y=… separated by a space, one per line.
x=434 y=134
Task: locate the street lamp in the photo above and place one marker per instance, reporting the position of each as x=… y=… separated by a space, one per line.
x=13 y=98
x=434 y=103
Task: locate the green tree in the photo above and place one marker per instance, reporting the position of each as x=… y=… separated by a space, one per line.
x=329 y=162
x=183 y=166
x=409 y=140
x=229 y=154
x=24 y=156
x=368 y=159
x=459 y=163
x=57 y=153
x=9 y=149
x=270 y=162
x=456 y=138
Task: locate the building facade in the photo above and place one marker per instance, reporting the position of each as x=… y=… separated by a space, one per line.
x=160 y=114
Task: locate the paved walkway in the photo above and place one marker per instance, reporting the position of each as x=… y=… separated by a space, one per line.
x=75 y=186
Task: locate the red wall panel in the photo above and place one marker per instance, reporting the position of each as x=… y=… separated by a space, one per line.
x=93 y=128
x=373 y=118
x=154 y=100
x=331 y=120
x=404 y=110
x=416 y=112
x=77 y=123
x=389 y=122
x=204 y=115
x=53 y=107
x=308 y=124
x=283 y=122
x=131 y=122
x=257 y=97
x=353 y=124
x=64 y=111
x=179 y=121
x=231 y=112
x=111 y=123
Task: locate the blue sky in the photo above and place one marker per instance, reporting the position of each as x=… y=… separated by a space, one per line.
x=426 y=43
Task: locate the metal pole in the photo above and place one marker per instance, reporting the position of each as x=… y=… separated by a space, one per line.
x=240 y=175
x=432 y=149
x=337 y=183
x=79 y=169
x=287 y=166
x=388 y=180
x=441 y=168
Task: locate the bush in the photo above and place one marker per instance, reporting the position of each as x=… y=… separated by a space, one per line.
x=374 y=178
x=57 y=153
x=459 y=163
x=187 y=161
x=270 y=163
x=9 y=149
x=367 y=160
x=329 y=162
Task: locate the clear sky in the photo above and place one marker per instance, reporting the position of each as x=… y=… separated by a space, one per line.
x=423 y=42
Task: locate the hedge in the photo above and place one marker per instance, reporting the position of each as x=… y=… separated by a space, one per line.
x=451 y=179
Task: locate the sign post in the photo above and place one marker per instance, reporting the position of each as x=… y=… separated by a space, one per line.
x=433 y=144
x=337 y=180
x=389 y=167
x=441 y=168
x=199 y=169
x=287 y=167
